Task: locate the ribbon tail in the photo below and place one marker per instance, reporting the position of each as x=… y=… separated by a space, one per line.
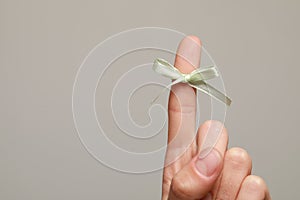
x=213 y=92
x=167 y=87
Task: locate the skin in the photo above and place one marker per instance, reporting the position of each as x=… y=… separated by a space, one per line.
x=223 y=174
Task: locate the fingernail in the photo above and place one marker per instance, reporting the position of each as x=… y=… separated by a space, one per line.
x=208 y=164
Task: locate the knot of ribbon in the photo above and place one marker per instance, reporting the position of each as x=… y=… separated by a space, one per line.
x=195 y=79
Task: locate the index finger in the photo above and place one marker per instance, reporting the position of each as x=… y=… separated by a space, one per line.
x=182 y=100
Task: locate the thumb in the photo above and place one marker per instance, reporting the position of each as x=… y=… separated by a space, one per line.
x=198 y=177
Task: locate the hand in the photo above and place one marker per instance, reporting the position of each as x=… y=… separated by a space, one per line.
x=222 y=174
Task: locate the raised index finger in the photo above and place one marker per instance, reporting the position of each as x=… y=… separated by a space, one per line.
x=182 y=100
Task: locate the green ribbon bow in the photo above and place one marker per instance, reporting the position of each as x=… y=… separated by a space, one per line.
x=195 y=79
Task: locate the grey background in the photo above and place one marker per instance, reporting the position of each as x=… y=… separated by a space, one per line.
x=43 y=43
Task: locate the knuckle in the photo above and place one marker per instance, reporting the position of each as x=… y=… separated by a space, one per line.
x=216 y=125
x=238 y=158
x=255 y=183
x=180 y=103
x=183 y=109
x=180 y=188
x=209 y=123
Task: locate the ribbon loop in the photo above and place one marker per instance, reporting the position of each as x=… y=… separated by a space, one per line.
x=195 y=79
